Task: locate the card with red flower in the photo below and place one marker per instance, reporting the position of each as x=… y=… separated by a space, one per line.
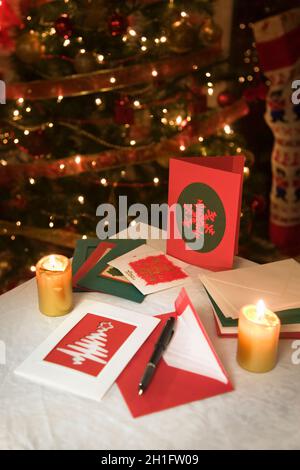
x=206 y=193
x=150 y=270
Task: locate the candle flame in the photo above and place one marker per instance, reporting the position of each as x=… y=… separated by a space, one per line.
x=52 y=261
x=260 y=309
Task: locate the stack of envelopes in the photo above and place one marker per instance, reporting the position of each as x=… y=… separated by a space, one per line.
x=278 y=284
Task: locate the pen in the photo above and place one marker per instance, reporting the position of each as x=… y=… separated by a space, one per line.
x=161 y=345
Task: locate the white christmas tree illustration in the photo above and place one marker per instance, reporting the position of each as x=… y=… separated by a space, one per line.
x=92 y=346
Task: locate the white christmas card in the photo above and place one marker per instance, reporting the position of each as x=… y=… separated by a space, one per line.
x=151 y=270
x=89 y=350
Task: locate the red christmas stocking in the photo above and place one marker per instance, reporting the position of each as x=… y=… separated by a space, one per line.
x=278 y=46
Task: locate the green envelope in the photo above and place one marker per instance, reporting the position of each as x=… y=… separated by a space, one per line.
x=108 y=280
x=287 y=317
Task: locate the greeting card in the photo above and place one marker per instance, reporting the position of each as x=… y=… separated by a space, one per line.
x=207 y=192
x=88 y=351
x=150 y=270
x=99 y=276
x=85 y=258
x=83 y=250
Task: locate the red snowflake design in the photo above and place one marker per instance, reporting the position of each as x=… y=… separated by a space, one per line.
x=204 y=224
x=156 y=269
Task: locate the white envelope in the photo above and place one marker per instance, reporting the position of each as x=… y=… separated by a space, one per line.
x=189 y=349
x=89 y=350
x=276 y=283
x=126 y=264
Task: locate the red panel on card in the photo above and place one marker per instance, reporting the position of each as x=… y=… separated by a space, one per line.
x=157 y=269
x=90 y=345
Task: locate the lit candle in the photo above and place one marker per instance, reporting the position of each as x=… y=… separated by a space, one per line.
x=54 y=281
x=258 y=335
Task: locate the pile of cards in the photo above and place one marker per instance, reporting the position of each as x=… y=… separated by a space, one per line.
x=276 y=283
x=130 y=269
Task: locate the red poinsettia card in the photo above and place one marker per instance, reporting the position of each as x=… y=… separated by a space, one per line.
x=150 y=270
x=88 y=351
x=205 y=196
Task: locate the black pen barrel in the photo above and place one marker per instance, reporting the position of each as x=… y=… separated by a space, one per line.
x=157 y=353
x=147 y=377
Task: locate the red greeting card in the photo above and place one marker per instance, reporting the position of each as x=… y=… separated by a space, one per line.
x=213 y=184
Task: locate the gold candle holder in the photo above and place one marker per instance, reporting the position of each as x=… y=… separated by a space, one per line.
x=54 y=282
x=258 y=335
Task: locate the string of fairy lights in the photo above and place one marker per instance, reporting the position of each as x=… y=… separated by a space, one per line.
x=103 y=181
x=22 y=108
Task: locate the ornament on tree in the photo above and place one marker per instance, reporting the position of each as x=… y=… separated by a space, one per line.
x=118 y=24
x=85 y=62
x=124 y=113
x=197 y=97
x=64 y=26
x=225 y=98
x=182 y=36
x=29 y=48
x=210 y=32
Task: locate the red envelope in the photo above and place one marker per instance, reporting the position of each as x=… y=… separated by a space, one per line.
x=215 y=182
x=170 y=386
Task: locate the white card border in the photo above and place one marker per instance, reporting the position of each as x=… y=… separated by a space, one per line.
x=67 y=379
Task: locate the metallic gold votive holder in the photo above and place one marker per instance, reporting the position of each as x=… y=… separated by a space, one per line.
x=54 y=282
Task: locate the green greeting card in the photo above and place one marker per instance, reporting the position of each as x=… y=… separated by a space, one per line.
x=83 y=250
x=104 y=278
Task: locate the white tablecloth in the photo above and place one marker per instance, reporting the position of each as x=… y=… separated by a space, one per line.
x=262 y=412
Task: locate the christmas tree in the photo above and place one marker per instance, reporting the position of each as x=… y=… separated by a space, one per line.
x=99 y=96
